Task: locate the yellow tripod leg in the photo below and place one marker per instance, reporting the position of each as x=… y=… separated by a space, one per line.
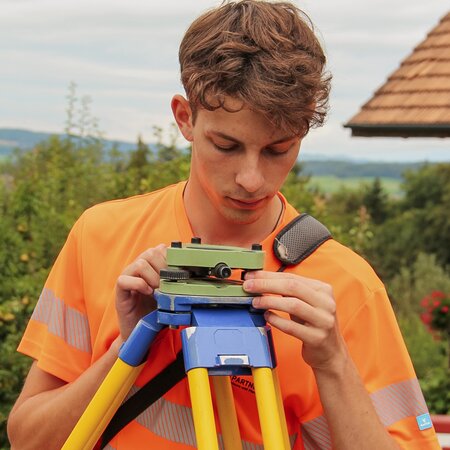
x=227 y=413
x=102 y=407
x=202 y=409
x=284 y=429
x=269 y=415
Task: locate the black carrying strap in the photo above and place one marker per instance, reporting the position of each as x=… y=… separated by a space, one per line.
x=294 y=243
x=146 y=396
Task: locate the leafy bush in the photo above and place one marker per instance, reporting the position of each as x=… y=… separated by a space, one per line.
x=436 y=389
x=436 y=315
x=408 y=287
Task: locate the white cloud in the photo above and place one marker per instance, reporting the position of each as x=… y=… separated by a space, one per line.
x=124 y=55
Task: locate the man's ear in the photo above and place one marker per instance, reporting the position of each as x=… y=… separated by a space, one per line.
x=182 y=113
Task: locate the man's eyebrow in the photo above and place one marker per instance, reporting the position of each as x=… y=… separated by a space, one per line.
x=284 y=139
x=237 y=141
x=224 y=136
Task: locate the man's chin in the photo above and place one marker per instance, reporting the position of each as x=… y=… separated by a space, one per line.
x=240 y=217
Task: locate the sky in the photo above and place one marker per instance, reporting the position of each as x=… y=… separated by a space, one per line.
x=123 y=55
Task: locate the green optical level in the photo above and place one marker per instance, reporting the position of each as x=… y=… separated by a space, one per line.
x=204 y=270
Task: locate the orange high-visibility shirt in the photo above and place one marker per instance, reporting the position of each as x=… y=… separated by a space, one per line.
x=74 y=323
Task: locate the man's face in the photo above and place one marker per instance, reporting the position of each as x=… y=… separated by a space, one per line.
x=239 y=161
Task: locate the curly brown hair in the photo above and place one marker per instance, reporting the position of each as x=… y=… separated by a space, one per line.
x=264 y=54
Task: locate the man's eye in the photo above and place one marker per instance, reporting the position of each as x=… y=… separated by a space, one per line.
x=275 y=152
x=225 y=148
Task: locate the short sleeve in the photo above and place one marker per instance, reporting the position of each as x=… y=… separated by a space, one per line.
x=376 y=345
x=58 y=334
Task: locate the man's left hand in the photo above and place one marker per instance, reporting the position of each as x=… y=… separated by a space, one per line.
x=312 y=311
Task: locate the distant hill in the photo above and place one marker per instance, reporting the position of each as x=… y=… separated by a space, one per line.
x=317 y=165
x=352 y=169
x=11 y=139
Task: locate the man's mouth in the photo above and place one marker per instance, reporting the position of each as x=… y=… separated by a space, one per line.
x=247 y=204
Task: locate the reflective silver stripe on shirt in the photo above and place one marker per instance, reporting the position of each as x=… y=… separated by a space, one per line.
x=392 y=403
x=398 y=401
x=63 y=321
x=316 y=435
x=175 y=423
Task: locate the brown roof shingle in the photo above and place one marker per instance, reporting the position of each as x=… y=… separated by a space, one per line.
x=415 y=100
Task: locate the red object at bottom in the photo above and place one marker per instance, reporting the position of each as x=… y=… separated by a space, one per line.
x=442 y=426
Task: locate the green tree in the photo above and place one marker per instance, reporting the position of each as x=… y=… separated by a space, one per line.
x=375 y=200
x=167 y=151
x=295 y=189
x=140 y=157
x=427 y=196
x=418 y=222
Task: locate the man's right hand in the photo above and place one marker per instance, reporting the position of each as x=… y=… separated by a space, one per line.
x=135 y=287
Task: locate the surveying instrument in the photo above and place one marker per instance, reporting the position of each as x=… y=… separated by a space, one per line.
x=222 y=335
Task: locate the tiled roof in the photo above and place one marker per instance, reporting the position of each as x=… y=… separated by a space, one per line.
x=415 y=100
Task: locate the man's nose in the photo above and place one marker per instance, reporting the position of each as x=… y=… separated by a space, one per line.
x=249 y=175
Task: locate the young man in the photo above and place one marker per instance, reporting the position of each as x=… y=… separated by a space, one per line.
x=255 y=83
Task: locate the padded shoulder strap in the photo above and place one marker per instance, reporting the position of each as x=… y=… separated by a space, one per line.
x=298 y=239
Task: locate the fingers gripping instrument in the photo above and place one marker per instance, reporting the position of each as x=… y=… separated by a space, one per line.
x=223 y=335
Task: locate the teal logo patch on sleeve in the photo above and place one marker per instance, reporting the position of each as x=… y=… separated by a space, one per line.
x=424 y=421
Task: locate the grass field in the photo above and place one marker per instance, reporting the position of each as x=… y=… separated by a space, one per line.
x=330 y=184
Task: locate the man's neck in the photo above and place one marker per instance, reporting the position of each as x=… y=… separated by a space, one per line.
x=208 y=224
